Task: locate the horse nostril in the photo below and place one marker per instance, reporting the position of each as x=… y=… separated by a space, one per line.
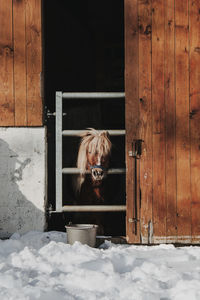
x=100 y=173
x=94 y=173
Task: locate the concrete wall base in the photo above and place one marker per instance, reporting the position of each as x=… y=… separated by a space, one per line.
x=22 y=180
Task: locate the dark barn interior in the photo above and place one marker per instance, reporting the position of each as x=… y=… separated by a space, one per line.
x=84 y=51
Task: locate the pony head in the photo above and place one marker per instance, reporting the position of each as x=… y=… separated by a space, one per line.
x=93 y=156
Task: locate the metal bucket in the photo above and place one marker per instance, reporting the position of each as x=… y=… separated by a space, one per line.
x=83 y=233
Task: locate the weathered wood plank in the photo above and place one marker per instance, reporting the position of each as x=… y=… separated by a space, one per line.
x=34 y=105
x=19 y=21
x=158 y=110
x=34 y=62
x=170 y=108
x=145 y=25
x=182 y=120
x=6 y=65
x=194 y=21
x=132 y=112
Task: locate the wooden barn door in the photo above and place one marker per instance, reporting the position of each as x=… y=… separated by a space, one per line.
x=20 y=63
x=162 y=86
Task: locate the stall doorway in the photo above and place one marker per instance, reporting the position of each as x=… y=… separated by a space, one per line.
x=84 y=52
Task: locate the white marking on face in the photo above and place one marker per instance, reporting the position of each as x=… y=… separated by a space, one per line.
x=98 y=160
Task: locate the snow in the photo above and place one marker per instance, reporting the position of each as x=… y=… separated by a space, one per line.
x=43 y=266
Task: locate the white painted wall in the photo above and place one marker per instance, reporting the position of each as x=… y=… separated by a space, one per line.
x=22 y=180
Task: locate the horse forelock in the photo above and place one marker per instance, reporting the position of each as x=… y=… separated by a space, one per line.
x=95 y=142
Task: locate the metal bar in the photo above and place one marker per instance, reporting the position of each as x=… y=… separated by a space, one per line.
x=59 y=151
x=77 y=171
x=92 y=95
x=93 y=208
x=79 y=132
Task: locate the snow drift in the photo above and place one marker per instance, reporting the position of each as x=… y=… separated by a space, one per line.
x=43 y=266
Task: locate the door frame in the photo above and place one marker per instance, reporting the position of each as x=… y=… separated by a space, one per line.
x=132 y=120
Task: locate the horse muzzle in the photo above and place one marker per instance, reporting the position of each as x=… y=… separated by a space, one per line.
x=97 y=174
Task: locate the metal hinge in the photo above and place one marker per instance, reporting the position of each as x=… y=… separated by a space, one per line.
x=49 y=209
x=48 y=114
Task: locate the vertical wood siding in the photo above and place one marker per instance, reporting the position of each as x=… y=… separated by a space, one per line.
x=158 y=117
x=194 y=93
x=132 y=111
x=145 y=21
x=182 y=119
x=170 y=118
x=20 y=63
x=169 y=111
x=6 y=64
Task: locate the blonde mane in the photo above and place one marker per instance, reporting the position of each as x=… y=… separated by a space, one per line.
x=92 y=141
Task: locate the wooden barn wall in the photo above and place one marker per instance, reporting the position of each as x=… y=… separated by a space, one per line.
x=167 y=78
x=20 y=63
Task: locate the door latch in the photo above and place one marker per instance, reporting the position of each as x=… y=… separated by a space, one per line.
x=133 y=220
x=136 y=149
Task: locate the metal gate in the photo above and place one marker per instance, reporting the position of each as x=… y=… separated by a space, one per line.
x=60 y=134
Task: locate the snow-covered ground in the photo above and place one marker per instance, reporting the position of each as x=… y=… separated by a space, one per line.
x=43 y=266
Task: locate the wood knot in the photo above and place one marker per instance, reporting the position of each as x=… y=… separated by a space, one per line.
x=147 y=30
x=141 y=28
x=8 y=49
x=193 y=113
x=169 y=22
x=168 y=82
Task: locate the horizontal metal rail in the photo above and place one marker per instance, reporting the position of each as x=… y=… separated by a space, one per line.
x=77 y=171
x=112 y=132
x=93 y=208
x=94 y=95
